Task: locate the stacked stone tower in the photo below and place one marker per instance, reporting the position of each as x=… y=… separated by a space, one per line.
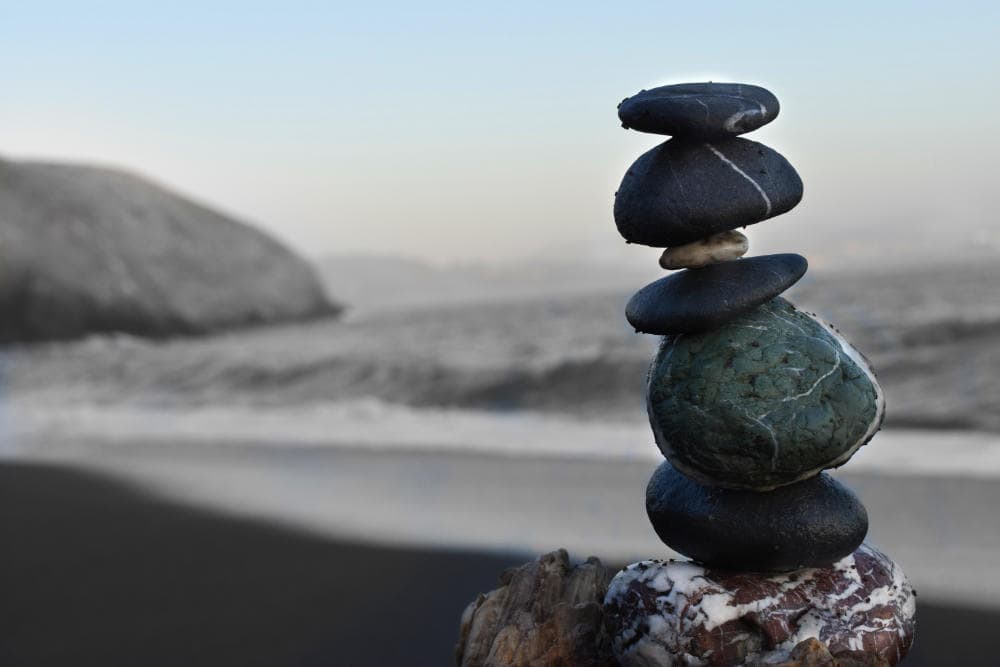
x=749 y=399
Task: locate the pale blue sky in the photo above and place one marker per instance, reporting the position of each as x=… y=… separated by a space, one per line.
x=458 y=130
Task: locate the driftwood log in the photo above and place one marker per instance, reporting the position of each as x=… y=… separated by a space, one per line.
x=549 y=613
x=546 y=612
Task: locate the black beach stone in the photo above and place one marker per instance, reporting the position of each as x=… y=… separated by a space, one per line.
x=702 y=299
x=684 y=190
x=699 y=110
x=812 y=523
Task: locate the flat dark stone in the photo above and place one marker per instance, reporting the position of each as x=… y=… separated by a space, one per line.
x=699 y=300
x=812 y=523
x=683 y=190
x=699 y=110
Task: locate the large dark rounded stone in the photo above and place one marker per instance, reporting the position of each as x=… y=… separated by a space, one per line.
x=683 y=190
x=770 y=398
x=699 y=110
x=702 y=299
x=808 y=524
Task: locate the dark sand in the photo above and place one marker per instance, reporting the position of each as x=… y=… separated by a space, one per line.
x=94 y=572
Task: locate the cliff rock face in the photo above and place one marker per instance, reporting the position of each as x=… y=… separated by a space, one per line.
x=85 y=250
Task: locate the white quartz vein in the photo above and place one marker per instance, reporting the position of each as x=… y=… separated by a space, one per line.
x=679 y=182
x=707 y=110
x=836 y=356
x=862 y=364
x=734 y=167
x=775 y=446
x=730 y=123
x=811 y=389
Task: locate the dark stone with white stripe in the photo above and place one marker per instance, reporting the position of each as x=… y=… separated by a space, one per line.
x=811 y=523
x=702 y=299
x=699 y=110
x=682 y=190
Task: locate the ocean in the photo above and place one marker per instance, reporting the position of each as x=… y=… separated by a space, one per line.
x=541 y=372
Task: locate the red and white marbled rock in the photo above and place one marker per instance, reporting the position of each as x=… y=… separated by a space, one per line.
x=679 y=613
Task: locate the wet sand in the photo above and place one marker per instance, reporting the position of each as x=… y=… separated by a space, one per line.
x=941 y=528
x=95 y=572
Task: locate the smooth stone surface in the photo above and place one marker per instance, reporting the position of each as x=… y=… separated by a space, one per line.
x=808 y=524
x=699 y=110
x=682 y=190
x=702 y=299
x=773 y=397
x=670 y=612
x=721 y=247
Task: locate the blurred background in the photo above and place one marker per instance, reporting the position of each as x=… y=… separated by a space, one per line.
x=312 y=313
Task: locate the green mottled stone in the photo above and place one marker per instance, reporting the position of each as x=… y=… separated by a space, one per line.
x=770 y=398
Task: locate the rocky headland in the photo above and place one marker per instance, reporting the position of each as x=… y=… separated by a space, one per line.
x=88 y=250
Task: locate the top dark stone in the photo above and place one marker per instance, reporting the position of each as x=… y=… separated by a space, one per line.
x=699 y=110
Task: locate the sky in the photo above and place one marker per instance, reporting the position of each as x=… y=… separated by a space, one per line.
x=471 y=132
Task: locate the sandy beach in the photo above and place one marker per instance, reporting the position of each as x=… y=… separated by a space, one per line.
x=94 y=572
x=940 y=527
x=97 y=572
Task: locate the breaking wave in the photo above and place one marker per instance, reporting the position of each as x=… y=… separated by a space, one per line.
x=566 y=355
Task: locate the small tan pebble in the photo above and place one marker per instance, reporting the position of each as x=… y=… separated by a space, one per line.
x=719 y=247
